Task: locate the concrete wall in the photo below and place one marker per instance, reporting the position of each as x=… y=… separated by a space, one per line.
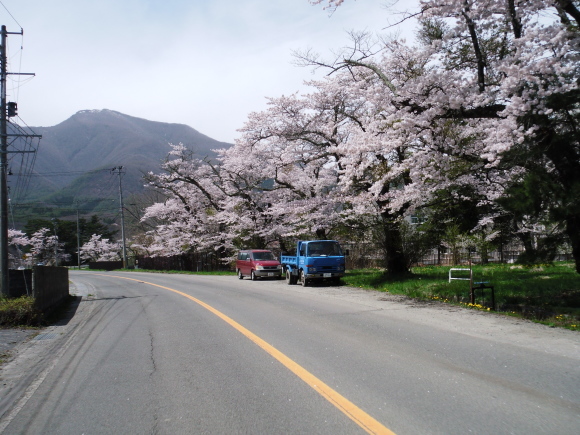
x=20 y=282
x=49 y=286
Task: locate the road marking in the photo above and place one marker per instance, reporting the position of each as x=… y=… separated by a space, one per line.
x=364 y=420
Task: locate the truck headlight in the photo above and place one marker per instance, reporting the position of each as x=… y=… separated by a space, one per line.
x=258 y=267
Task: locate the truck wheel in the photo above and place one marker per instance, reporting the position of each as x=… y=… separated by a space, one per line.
x=253 y=275
x=303 y=280
x=289 y=277
x=240 y=276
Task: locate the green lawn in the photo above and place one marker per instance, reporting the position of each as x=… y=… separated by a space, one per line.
x=549 y=294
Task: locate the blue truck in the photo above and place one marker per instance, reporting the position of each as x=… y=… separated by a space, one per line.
x=314 y=260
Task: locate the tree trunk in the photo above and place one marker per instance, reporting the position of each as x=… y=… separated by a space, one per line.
x=573 y=232
x=395 y=260
x=321 y=234
x=530 y=254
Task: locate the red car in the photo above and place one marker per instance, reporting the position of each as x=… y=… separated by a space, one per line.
x=257 y=263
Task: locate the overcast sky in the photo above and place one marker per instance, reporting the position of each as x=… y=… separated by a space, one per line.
x=204 y=63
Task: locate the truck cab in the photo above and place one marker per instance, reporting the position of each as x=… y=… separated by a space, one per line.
x=315 y=260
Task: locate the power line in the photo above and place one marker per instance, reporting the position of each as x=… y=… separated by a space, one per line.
x=57 y=203
x=12 y=16
x=88 y=211
x=25 y=175
x=65 y=173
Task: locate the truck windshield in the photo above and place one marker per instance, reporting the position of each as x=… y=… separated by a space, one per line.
x=263 y=256
x=324 y=249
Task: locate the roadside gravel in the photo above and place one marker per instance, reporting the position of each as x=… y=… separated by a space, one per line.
x=471 y=322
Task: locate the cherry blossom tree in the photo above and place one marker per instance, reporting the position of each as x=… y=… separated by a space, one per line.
x=294 y=144
x=17 y=240
x=490 y=95
x=208 y=207
x=99 y=249
x=485 y=100
x=331 y=3
x=389 y=161
x=46 y=248
x=185 y=220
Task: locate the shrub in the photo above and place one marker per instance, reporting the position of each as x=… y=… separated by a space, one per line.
x=19 y=312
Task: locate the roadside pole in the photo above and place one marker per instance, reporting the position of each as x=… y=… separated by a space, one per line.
x=3 y=172
x=4 y=134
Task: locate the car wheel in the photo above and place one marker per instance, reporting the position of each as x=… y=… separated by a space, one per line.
x=240 y=276
x=289 y=279
x=253 y=275
x=303 y=280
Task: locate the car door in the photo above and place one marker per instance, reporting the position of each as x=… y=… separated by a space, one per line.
x=246 y=264
x=251 y=264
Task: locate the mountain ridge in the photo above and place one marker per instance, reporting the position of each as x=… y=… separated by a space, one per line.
x=74 y=157
x=108 y=137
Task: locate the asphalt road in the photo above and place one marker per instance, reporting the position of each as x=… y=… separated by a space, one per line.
x=168 y=354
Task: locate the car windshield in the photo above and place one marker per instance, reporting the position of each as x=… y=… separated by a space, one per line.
x=263 y=256
x=324 y=249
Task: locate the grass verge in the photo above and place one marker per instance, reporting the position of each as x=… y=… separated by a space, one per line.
x=19 y=312
x=548 y=294
x=22 y=313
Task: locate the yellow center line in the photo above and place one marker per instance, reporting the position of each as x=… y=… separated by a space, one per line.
x=364 y=420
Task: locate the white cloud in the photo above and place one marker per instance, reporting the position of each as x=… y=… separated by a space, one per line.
x=204 y=63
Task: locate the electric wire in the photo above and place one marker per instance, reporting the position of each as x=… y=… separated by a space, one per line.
x=21 y=138
x=109 y=186
x=65 y=173
x=16 y=83
x=19 y=81
x=12 y=16
x=88 y=210
x=23 y=152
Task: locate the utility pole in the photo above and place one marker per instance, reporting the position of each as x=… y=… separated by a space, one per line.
x=3 y=171
x=6 y=110
x=54 y=223
x=78 y=239
x=119 y=171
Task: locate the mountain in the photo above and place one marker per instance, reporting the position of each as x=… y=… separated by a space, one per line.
x=74 y=160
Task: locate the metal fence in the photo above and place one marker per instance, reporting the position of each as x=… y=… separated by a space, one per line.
x=366 y=255
x=361 y=256
x=196 y=262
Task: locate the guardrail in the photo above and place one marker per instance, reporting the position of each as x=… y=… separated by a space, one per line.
x=451 y=277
